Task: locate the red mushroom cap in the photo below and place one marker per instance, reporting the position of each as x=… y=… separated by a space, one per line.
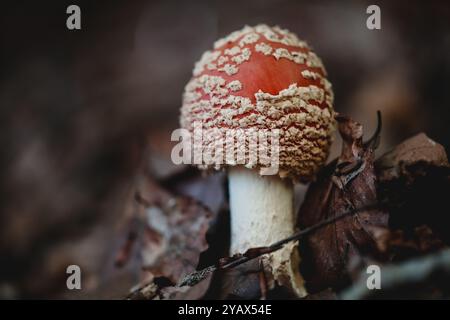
x=265 y=78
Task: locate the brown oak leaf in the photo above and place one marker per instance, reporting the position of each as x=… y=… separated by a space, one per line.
x=346 y=184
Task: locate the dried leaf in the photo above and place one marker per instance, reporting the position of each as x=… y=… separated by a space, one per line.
x=344 y=185
x=174 y=238
x=403 y=160
x=170 y=233
x=414 y=181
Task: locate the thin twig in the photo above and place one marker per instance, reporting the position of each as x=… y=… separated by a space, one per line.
x=253 y=253
x=238 y=259
x=374 y=141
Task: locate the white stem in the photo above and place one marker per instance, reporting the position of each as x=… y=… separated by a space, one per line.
x=262 y=212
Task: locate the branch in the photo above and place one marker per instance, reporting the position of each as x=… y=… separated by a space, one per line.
x=250 y=254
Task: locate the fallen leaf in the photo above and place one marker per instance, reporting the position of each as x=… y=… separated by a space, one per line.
x=408 y=156
x=167 y=232
x=345 y=184
x=414 y=182
x=174 y=237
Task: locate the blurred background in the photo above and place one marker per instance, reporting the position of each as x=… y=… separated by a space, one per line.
x=82 y=111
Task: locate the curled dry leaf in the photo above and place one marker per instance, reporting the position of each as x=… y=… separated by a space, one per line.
x=405 y=160
x=171 y=235
x=174 y=237
x=345 y=184
x=414 y=181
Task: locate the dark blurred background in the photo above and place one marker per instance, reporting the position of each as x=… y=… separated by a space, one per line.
x=80 y=111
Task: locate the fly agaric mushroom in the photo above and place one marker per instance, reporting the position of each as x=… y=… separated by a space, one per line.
x=264 y=78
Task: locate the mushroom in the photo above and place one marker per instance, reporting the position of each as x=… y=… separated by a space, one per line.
x=263 y=78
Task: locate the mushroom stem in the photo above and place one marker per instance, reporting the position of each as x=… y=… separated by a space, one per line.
x=262 y=212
